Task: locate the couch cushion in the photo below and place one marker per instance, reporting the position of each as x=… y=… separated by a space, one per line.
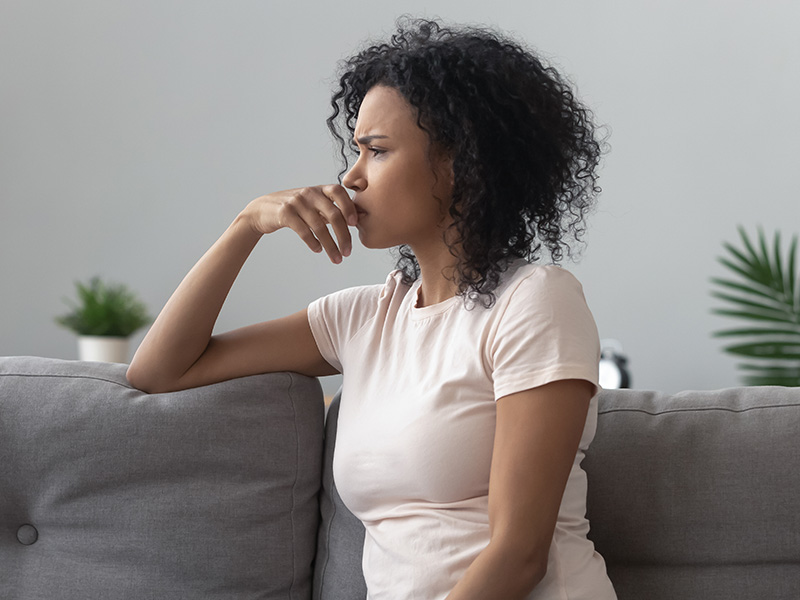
x=110 y=493
x=697 y=495
x=337 y=572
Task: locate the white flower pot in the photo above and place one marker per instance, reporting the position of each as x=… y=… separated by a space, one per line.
x=99 y=348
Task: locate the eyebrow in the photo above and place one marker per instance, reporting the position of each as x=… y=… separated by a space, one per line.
x=367 y=139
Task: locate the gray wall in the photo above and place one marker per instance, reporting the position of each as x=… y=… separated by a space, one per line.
x=131 y=133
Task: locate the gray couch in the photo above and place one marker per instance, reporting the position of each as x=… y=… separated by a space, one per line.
x=225 y=492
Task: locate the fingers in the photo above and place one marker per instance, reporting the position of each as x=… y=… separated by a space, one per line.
x=340 y=197
x=309 y=212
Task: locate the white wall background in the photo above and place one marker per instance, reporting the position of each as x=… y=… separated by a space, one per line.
x=131 y=134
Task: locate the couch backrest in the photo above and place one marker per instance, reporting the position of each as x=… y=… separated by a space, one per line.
x=692 y=496
x=697 y=495
x=108 y=493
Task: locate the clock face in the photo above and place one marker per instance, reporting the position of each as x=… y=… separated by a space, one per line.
x=610 y=375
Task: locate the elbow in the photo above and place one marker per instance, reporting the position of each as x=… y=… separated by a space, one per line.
x=539 y=570
x=137 y=379
x=531 y=564
x=144 y=382
x=532 y=570
x=524 y=567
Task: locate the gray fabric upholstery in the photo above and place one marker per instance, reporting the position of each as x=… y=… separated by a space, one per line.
x=106 y=492
x=110 y=493
x=697 y=495
x=337 y=571
x=693 y=496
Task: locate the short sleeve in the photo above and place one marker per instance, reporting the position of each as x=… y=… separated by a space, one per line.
x=334 y=319
x=545 y=332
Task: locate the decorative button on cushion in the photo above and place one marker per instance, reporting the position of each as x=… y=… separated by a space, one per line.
x=27 y=534
x=204 y=493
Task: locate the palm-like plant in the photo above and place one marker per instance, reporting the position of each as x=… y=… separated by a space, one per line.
x=766 y=294
x=104 y=310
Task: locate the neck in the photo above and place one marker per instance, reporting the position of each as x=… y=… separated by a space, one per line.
x=438 y=270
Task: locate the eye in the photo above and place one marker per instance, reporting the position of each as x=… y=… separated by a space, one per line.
x=375 y=152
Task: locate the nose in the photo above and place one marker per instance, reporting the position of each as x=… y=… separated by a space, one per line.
x=354 y=179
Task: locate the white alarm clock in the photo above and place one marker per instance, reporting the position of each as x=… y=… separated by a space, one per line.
x=614 y=372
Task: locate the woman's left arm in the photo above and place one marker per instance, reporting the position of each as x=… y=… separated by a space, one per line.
x=536 y=439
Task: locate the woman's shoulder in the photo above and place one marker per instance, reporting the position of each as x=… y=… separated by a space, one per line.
x=526 y=279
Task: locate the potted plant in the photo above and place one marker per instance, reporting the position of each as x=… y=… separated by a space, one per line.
x=765 y=293
x=105 y=317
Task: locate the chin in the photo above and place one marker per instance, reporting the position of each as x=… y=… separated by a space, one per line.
x=371 y=242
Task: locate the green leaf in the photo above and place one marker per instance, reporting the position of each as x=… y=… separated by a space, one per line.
x=106 y=310
x=746 y=273
x=747 y=315
x=776 y=307
x=794 y=291
x=746 y=261
x=766 y=290
x=762 y=244
x=770 y=349
x=778 y=270
x=793 y=369
x=756 y=332
x=761 y=290
x=772 y=380
x=772 y=375
x=746 y=242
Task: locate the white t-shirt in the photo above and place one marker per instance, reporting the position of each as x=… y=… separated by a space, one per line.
x=417 y=422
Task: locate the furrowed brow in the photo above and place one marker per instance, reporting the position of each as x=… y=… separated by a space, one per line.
x=366 y=140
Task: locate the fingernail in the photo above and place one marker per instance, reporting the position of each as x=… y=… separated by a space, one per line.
x=353 y=220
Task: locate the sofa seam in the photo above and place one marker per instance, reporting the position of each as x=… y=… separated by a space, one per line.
x=699 y=409
x=289 y=393
x=324 y=569
x=65 y=376
x=703 y=565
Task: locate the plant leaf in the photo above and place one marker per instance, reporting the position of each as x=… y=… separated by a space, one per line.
x=777 y=307
x=747 y=273
x=780 y=370
x=108 y=310
x=746 y=261
x=761 y=262
x=746 y=241
x=793 y=290
x=786 y=381
x=747 y=315
x=778 y=350
x=756 y=332
x=761 y=290
x=778 y=271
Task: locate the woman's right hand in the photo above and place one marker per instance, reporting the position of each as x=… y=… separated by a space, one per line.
x=180 y=351
x=307 y=211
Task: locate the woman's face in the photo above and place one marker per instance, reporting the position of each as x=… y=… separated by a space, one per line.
x=402 y=191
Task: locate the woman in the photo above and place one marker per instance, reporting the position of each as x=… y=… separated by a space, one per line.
x=469 y=374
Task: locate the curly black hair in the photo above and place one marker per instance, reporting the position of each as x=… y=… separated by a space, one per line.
x=524 y=149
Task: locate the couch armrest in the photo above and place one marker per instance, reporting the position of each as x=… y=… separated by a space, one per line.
x=205 y=493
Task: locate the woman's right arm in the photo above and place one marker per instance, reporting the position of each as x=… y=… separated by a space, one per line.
x=180 y=352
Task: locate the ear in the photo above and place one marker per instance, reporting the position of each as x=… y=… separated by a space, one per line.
x=443 y=167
